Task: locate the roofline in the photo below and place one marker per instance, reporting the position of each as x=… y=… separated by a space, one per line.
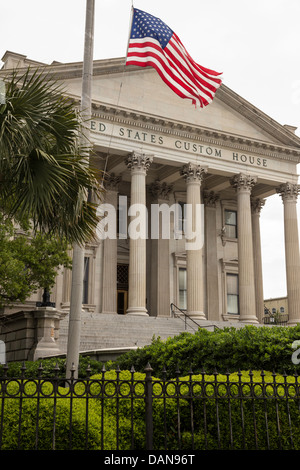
x=63 y=71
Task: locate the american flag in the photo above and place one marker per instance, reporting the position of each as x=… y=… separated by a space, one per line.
x=153 y=43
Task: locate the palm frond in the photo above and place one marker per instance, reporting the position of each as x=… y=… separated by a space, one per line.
x=44 y=172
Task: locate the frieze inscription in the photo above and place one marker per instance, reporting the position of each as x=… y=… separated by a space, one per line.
x=187 y=146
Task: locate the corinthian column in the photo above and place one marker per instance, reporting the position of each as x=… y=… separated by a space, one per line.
x=212 y=283
x=138 y=165
x=256 y=206
x=193 y=175
x=160 y=256
x=243 y=185
x=289 y=193
x=109 y=290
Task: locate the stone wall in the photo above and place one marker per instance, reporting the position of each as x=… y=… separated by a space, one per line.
x=30 y=335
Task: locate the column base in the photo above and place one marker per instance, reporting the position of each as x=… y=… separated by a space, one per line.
x=250 y=320
x=293 y=322
x=137 y=311
x=196 y=315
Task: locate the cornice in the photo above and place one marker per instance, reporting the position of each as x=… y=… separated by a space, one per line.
x=183 y=130
x=255 y=115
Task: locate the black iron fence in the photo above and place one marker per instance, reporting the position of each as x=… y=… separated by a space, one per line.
x=119 y=410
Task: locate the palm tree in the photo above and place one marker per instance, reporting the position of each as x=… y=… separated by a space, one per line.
x=43 y=173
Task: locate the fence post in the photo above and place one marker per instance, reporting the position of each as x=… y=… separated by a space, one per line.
x=148 y=406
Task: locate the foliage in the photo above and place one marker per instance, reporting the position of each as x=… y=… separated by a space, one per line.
x=43 y=170
x=27 y=263
x=229 y=349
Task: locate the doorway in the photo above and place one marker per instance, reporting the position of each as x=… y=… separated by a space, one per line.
x=122 y=288
x=122 y=302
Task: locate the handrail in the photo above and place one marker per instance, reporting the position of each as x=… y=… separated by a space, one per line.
x=186 y=316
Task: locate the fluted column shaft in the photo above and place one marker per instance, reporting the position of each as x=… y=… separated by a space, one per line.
x=256 y=206
x=289 y=193
x=243 y=185
x=109 y=290
x=212 y=281
x=138 y=165
x=160 y=256
x=193 y=175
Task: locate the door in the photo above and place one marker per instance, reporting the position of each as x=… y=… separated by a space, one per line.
x=122 y=302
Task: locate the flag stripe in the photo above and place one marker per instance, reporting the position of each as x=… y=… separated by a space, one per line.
x=202 y=73
x=170 y=75
x=146 y=57
x=153 y=43
x=186 y=71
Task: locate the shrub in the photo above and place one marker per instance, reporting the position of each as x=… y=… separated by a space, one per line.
x=229 y=349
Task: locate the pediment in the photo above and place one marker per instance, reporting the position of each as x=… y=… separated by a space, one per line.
x=141 y=92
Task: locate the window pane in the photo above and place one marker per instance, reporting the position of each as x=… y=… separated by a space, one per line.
x=182 y=299
x=232 y=304
x=180 y=216
x=231 y=231
x=86 y=280
x=230 y=217
x=182 y=289
x=231 y=224
x=232 y=294
x=182 y=278
x=232 y=284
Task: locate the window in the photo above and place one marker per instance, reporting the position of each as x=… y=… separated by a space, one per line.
x=85 y=296
x=180 y=216
x=230 y=223
x=182 y=289
x=232 y=294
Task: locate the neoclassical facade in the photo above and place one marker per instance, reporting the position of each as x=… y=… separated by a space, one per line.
x=158 y=152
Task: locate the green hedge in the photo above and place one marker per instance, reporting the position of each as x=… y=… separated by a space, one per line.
x=229 y=349
x=215 y=435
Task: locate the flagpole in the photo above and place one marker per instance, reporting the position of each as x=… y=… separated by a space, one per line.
x=76 y=299
x=129 y=33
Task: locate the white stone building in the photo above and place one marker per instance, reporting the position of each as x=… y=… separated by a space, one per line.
x=155 y=148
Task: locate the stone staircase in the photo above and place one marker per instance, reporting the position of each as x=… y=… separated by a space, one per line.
x=108 y=331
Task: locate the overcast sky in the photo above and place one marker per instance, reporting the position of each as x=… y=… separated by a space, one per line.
x=256 y=44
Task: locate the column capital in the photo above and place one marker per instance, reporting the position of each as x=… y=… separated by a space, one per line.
x=257 y=204
x=111 y=181
x=139 y=162
x=160 y=189
x=288 y=191
x=193 y=173
x=210 y=198
x=243 y=182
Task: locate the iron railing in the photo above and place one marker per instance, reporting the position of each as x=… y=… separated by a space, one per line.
x=188 y=321
x=276 y=319
x=119 y=410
